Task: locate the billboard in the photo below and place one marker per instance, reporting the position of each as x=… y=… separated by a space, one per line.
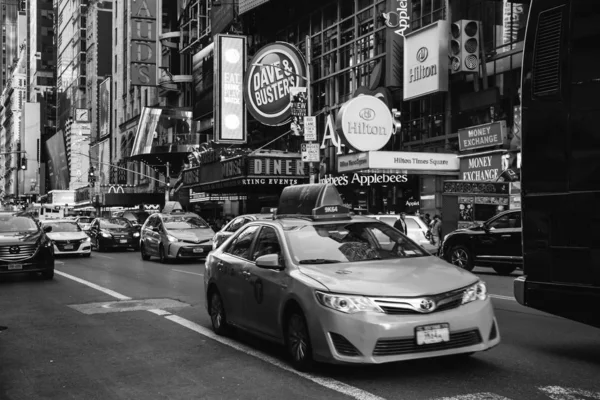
x=143 y=46
x=104 y=107
x=58 y=170
x=30 y=139
x=230 y=112
x=103 y=163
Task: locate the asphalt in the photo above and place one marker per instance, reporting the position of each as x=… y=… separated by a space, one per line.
x=60 y=344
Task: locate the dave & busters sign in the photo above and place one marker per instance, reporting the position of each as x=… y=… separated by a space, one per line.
x=273 y=71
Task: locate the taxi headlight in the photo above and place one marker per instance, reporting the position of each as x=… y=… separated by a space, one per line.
x=106 y=234
x=347 y=304
x=172 y=239
x=136 y=234
x=476 y=292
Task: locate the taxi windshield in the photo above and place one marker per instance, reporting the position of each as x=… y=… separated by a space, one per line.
x=14 y=223
x=184 y=222
x=115 y=223
x=350 y=242
x=64 y=226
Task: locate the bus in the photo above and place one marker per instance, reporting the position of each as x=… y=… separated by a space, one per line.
x=560 y=168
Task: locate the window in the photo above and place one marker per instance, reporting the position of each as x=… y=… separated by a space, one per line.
x=507 y=221
x=267 y=243
x=411 y=224
x=236 y=224
x=425 y=12
x=240 y=246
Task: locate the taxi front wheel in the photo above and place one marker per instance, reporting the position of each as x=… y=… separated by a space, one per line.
x=298 y=342
x=217 y=314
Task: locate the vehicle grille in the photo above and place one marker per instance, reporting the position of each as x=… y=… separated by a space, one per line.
x=25 y=251
x=60 y=244
x=342 y=345
x=411 y=305
x=395 y=347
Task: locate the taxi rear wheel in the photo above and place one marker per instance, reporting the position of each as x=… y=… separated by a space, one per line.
x=461 y=257
x=298 y=341
x=162 y=255
x=143 y=253
x=218 y=318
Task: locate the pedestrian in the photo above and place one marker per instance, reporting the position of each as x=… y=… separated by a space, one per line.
x=436 y=230
x=400 y=224
x=427 y=219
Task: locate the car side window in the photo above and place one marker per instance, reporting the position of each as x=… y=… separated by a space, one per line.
x=412 y=224
x=505 y=222
x=240 y=246
x=514 y=220
x=236 y=224
x=266 y=243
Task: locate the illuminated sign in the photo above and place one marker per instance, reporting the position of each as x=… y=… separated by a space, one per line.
x=365 y=123
x=480 y=136
x=274 y=70
x=230 y=118
x=398 y=19
x=426 y=61
x=142 y=52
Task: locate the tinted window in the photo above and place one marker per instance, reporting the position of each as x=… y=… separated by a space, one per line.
x=14 y=223
x=63 y=226
x=507 y=221
x=349 y=242
x=240 y=246
x=267 y=243
x=115 y=223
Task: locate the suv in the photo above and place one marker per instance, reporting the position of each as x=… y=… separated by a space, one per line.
x=24 y=246
x=496 y=243
x=175 y=235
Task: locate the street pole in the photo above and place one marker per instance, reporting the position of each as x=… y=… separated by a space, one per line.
x=168 y=183
x=309 y=100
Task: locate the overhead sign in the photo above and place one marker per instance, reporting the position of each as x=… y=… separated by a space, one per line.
x=426 y=60
x=143 y=56
x=481 y=167
x=310 y=152
x=364 y=179
x=230 y=60
x=353 y=162
x=481 y=136
x=272 y=72
x=365 y=123
x=299 y=101
x=399 y=19
x=413 y=161
x=310 y=129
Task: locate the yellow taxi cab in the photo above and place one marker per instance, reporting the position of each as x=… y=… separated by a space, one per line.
x=338 y=288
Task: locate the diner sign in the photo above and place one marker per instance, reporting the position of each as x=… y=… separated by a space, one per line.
x=274 y=70
x=276 y=166
x=481 y=136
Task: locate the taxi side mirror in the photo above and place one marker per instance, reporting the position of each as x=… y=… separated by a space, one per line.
x=269 y=261
x=47 y=229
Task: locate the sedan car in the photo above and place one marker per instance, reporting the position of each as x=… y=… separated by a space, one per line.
x=416 y=228
x=496 y=243
x=114 y=233
x=235 y=224
x=24 y=245
x=68 y=238
x=344 y=289
x=175 y=236
x=84 y=223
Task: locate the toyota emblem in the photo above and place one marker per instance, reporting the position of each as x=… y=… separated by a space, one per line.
x=422 y=54
x=14 y=249
x=427 y=305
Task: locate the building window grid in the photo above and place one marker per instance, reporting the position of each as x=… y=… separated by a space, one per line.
x=425 y=12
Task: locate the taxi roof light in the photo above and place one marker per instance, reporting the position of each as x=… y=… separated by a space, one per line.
x=312 y=201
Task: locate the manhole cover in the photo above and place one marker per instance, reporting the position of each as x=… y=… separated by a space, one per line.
x=128 y=305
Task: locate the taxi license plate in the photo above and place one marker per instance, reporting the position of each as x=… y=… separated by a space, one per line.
x=198 y=250
x=15 y=266
x=69 y=247
x=431 y=334
x=123 y=240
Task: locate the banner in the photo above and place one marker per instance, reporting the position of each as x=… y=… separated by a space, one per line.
x=299 y=104
x=143 y=54
x=104 y=92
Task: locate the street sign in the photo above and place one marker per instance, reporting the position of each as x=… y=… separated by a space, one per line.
x=310 y=152
x=81 y=128
x=310 y=129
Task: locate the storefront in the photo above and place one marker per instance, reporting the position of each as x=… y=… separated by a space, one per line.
x=242 y=184
x=391 y=182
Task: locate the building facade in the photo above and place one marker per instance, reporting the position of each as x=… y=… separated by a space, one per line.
x=12 y=13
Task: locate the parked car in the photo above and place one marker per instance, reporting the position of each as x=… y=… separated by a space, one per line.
x=232 y=227
x=114 y=233
x=24 y=245
x=175 y=235
x=496 y=243
x=68 y=238
x=415 y=226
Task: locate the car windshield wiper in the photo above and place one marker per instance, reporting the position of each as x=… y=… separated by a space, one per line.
x=319 y=261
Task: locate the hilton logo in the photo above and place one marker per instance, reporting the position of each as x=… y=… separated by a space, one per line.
x=422 y=54
x=14 y=249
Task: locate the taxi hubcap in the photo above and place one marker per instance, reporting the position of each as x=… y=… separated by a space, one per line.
x=460 y=258
x=216 y=311
x=298 y=338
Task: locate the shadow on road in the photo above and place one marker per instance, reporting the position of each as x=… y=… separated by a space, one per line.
x=586 y=352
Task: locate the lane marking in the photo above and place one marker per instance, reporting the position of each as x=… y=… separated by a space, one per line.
x=109 y=292
x=187 y=272
x=475 y=396
x=158 y=311
x=101 y=256
x=563 y=393
x=328 y=383
x=59 y=262
x=497 y=296
x=332 y=384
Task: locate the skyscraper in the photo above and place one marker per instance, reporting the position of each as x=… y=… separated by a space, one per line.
x=10 y=36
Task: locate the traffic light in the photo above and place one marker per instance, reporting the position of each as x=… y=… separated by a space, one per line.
x=91 y=177
x=464 y=46
x=23 y=163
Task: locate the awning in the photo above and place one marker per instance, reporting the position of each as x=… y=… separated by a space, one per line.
x=132 y=199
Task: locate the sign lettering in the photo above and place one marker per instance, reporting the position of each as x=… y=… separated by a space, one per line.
x=481 y=136
x=143 y=42
x=481 y=168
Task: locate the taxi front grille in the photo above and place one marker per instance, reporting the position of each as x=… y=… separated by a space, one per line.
x=413 y=305
x=342 y=345
x=17 y=252
x=406 y=311
x=396 y=347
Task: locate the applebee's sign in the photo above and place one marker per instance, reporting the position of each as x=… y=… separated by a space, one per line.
x=398 y=19
x=274 y=70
